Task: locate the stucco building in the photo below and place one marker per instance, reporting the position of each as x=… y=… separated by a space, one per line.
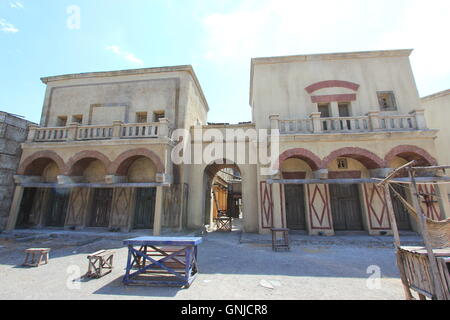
x=437 y=112
x=102 y=154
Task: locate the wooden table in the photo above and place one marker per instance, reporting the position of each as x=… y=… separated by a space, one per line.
x=162 y=261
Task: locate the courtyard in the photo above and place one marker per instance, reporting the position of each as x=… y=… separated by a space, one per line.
x=233 y=266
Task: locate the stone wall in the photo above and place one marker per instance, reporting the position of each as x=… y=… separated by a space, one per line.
x=13 y=131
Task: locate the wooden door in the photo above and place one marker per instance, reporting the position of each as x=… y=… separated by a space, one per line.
x=346 y=207
x=58 y=202
x=400 y=212
x=101 y=207
x=295 y=206
x=144 y=215
x=26 y=208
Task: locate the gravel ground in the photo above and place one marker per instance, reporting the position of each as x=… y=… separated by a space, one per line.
x=232 y=266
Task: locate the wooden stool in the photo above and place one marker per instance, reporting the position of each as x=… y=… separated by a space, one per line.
x=224 y=224
x=99 y=262
x=43 y=254
x=283 y=243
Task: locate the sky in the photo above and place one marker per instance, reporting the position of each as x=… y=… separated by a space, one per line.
x=40 y=38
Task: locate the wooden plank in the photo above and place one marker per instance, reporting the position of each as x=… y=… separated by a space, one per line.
x=434 y=271
x=93 y=185
x=164 y=241
x=356 y=181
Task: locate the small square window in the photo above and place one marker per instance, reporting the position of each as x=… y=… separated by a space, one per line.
x=77 y=118
x=61 y=121
x=158 y=115
x=386 y=100
x=141 y=117
x=342 y=163
x=324 y=109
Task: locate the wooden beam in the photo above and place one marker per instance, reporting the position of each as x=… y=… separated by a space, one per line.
x=431 y=168
x=95 y=185
x=395 y=172
x=391 y=214
x=356 y=181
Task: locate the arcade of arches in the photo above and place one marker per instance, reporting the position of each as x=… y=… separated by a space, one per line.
x=128 y=191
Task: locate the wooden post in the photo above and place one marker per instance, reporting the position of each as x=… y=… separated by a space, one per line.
x=434 y=271
x=391 y=215
x=158 y=211
x=15 y=207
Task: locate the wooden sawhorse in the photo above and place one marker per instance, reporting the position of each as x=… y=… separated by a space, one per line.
x=224 y=224
x=43 y=255
x=282 y=244
x=99 y=262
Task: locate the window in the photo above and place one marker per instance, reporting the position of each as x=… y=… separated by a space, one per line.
x=61 y=121
x=344 y=109
x=141 y=117
x=324 y=109
x=342 y=163
x=386 y=99
x=158 y=115
x=77 y=119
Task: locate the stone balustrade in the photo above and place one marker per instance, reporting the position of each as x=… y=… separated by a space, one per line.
x=373 y=122
x=118 y=130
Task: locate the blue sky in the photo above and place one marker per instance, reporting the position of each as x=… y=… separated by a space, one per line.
x=217 y=37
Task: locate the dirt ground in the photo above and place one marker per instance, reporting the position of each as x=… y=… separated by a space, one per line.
x=232 y=266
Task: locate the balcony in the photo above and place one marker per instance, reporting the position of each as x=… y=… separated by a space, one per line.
x=118 y=130
x=373 y=122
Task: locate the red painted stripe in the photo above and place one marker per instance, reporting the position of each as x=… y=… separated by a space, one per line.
x=332 y=84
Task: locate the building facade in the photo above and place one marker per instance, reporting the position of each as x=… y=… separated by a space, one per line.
x=13 y=131
x=437 y=112
x=345 y=118
x=101 y=156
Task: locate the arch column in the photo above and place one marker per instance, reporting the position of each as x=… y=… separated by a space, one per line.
x=279 y=214
x=158 y=211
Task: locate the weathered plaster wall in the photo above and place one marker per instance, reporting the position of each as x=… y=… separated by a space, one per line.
x=278 y=84
x=13 y=131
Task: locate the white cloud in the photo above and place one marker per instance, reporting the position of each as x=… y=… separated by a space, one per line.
x=126 y=55
x=283 y=27
x=279 y=27
x=424 y=27
x=7 y=27
x=16 y=5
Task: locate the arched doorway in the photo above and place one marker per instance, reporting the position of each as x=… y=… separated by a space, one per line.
x=352 y=203
x=397 y=157
x=43 y=206
x=91 y=170
x=294 y=194
x=141 y=169
x=223 y=194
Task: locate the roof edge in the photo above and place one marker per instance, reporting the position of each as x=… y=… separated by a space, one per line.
x=324 y=56
x=334 y=56
x=436 y=95
x=128 y=72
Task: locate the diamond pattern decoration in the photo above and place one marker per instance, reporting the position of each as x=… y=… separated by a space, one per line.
x=266 y=205
x=319 y=207
x=376 y=207
x=429 y=201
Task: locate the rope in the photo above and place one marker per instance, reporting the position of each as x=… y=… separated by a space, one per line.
x=439 y=231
